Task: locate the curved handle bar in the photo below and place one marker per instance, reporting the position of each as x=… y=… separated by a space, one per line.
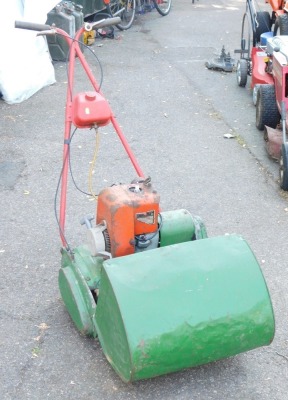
x=88 y=26
x=31 y=26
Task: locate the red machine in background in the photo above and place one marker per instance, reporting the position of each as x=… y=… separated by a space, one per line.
x=279 y=16
x=264 y=57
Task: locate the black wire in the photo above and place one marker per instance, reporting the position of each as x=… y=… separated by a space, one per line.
x=70 y=89
x=68 y=152
x=58 y=186
x=99 y=63
x=100 y=66
x=57 y=191
x=71 y=137
x=67 y=62
x=72 y=176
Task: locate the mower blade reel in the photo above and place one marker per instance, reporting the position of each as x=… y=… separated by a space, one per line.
x=181 y=306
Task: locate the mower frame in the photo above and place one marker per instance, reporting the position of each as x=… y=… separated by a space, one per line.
x=182 y=303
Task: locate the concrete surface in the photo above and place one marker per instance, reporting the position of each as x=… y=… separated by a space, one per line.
x=174 y=113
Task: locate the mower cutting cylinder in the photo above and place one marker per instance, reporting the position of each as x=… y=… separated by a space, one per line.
x=181 y=306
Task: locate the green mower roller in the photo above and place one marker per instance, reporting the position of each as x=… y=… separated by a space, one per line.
x=158 y=294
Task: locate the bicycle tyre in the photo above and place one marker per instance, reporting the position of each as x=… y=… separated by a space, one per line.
x=246 y=38
x=163 y=6
x=125 y=9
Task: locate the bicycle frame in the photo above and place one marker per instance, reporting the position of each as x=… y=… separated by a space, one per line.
x=118 y=8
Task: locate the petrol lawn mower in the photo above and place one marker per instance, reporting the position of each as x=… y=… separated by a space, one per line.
x=260 y=21
x=272 y=103
x=264 y=57
x=158 y=294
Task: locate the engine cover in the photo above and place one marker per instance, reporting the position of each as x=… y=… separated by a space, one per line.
x=128 y=210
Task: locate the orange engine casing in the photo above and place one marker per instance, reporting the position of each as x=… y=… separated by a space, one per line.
x=128 y=210
x=277 y=5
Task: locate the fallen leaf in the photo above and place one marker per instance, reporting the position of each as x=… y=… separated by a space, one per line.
x=9 y=117
x=228 y=136
x=43 y=326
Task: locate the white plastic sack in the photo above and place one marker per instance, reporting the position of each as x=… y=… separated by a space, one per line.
x=25 y=63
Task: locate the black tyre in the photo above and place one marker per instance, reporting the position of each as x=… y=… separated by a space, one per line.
x=246 y=37
x=281 y=25
x=255 y=93
x=125 y=9
x=266 y=107
x=283 y=169
x=163 y=6
x=264 y=25
x=242 y=72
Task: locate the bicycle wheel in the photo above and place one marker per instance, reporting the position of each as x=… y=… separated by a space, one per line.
x=246 y=37
x=125 y=9
x=163 y=6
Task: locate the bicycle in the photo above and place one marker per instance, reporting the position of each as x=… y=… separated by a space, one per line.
x=162 y=6
x=126 y=10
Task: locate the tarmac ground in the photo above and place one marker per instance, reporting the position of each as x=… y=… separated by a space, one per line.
x=175 y=114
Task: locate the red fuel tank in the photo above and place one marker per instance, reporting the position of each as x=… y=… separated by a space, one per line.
x=90 y=108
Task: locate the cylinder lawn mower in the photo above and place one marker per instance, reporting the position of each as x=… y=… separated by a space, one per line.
x=159 y=295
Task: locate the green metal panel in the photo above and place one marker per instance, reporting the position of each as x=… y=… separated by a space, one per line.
x=183 y=305
x=180 y=226
x=89 y=266
x=79 y=275
x=73 y=292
